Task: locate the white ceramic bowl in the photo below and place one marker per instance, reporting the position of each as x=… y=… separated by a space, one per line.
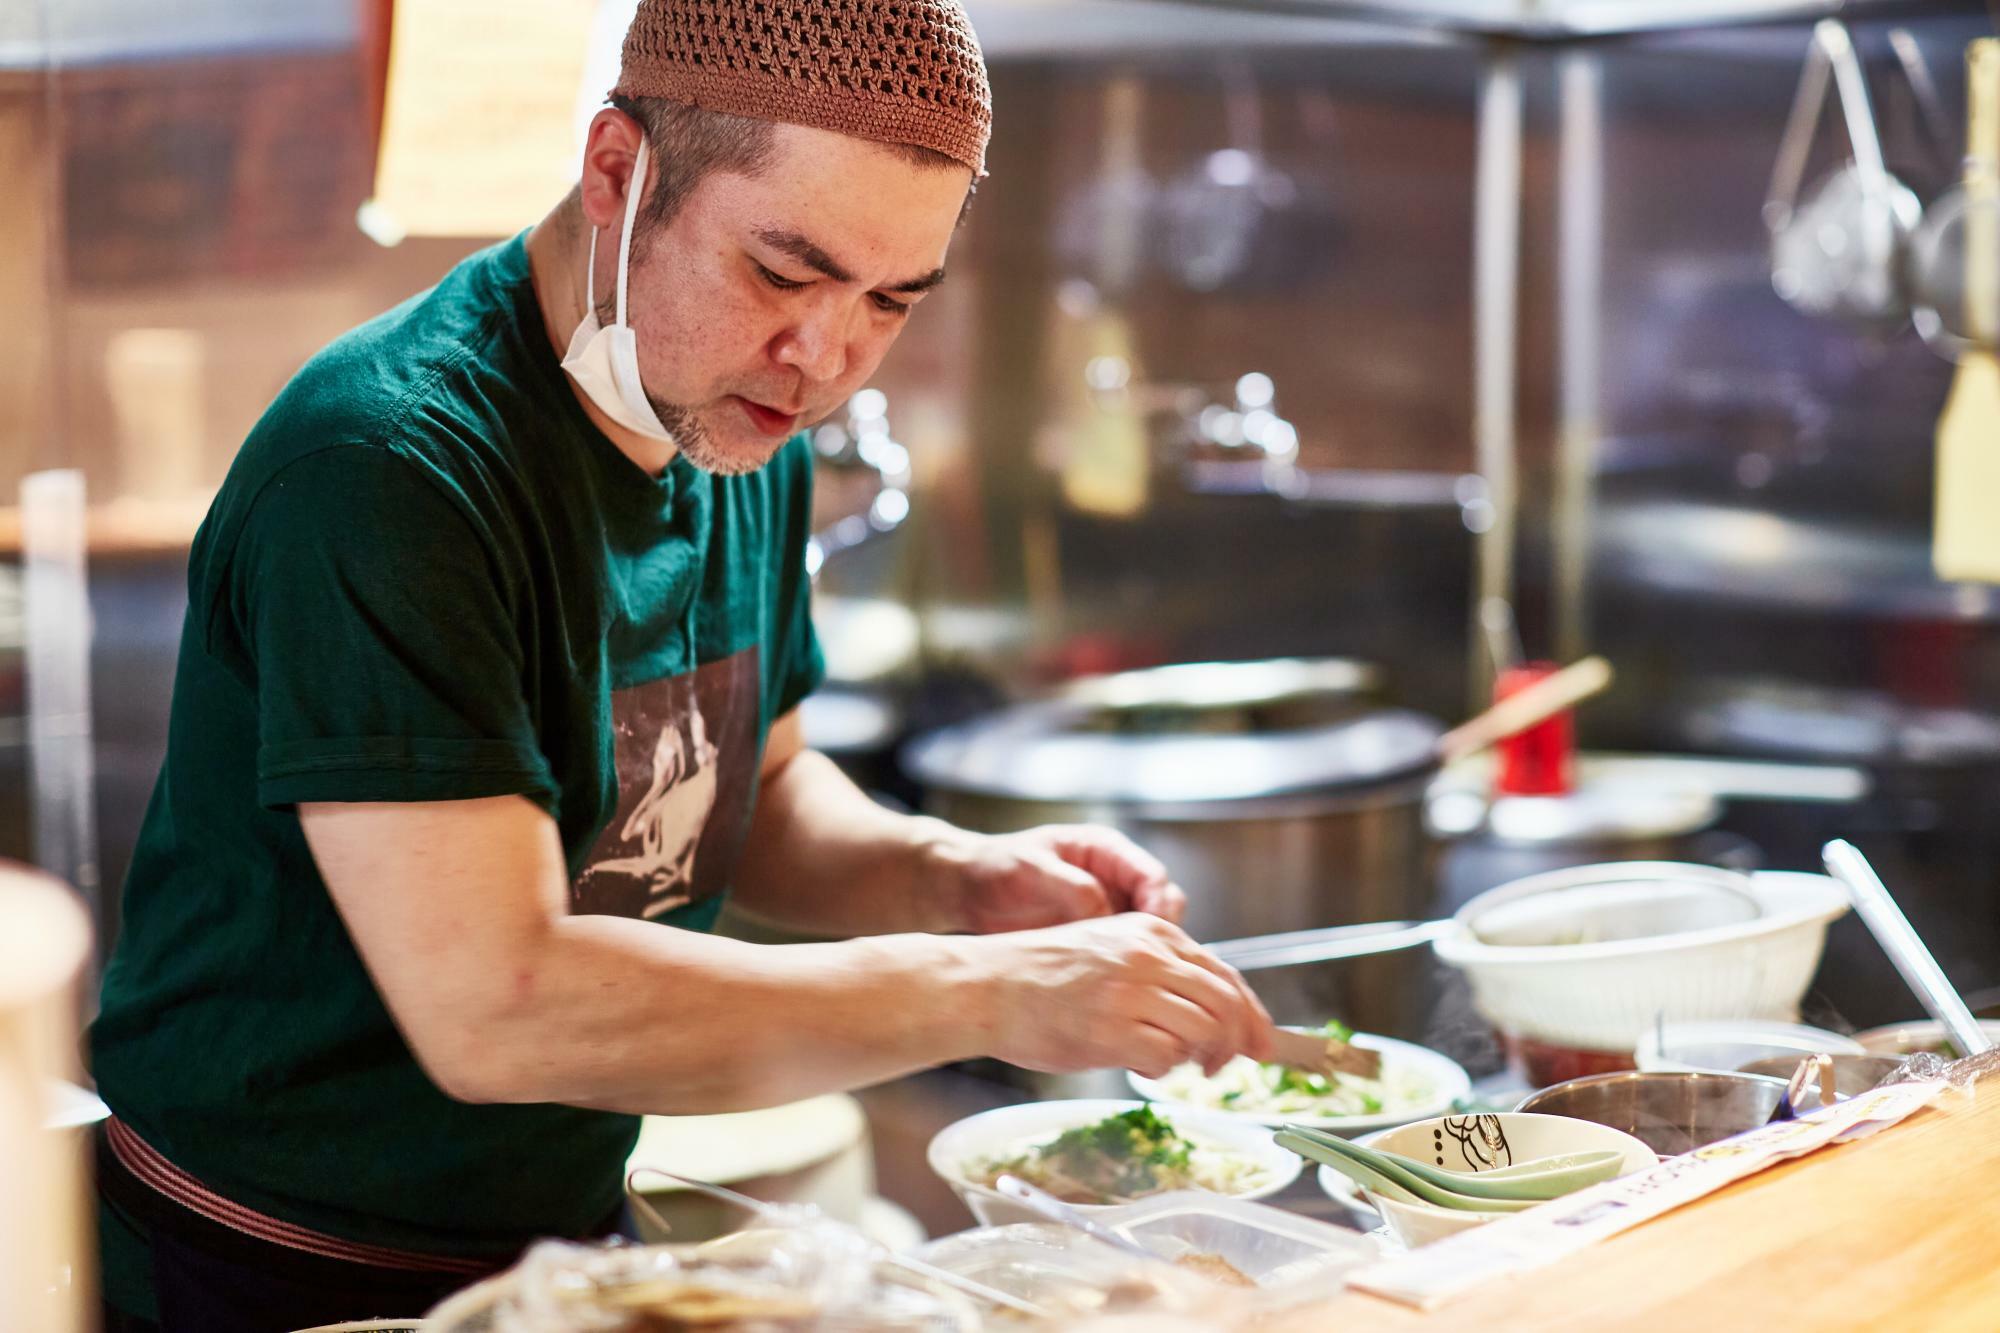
x=960 y=1147
x=1603 y=996
x=1475 y=1143
x=1447 y=1079
x=1725 y=1047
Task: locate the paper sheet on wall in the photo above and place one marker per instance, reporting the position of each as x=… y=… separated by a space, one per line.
x=478 y=126
x=1966 y=540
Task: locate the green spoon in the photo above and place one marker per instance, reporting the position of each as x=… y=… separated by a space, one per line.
x=1372 y=1170
x=1365 y=1176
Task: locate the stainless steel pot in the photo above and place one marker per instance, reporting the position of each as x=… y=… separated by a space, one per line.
x=1282 y=795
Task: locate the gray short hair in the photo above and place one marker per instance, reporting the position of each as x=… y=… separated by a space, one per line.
x=689 y=144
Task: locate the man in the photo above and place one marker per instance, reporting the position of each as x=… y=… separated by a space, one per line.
x=487 y=694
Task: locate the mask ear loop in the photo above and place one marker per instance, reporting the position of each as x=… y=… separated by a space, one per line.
x=631 y=212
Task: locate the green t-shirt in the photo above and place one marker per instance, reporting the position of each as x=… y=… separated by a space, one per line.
x=429 y=577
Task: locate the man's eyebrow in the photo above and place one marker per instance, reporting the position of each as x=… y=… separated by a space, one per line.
x=801 y=248
x=923 y=284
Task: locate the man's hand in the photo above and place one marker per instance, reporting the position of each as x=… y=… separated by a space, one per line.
x=1130 y=991
x=1047 y=876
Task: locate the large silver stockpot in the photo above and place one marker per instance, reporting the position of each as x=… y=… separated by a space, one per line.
x=1281 y=795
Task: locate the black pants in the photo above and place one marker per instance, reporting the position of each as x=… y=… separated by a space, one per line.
x=201 y=1292
x=208 y=1278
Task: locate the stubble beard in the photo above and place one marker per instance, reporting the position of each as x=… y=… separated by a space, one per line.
x=692 y=439
x=684 y=427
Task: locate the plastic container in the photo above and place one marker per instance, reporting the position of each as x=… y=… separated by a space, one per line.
x=1540 y=761
x=1725 y=1047
x=1272 y=1248
x=1065 y=1272
x=1289 y=1258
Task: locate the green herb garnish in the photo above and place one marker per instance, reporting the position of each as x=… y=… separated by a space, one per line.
x=1127 y=1155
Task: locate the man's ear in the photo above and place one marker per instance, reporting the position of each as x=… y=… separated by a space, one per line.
x=610 y=152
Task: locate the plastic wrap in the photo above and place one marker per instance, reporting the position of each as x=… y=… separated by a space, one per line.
x=812 y=1277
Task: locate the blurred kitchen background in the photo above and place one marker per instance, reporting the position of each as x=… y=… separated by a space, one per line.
x=1301 y=330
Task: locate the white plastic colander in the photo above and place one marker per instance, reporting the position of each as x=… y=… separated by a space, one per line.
x=1592 y=956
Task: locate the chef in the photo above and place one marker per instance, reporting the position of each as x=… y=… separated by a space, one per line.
x=488 y=696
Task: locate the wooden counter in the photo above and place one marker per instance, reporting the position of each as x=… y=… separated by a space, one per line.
x=1899 y=1231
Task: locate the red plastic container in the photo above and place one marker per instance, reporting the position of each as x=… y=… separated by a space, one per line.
x=1540 y=761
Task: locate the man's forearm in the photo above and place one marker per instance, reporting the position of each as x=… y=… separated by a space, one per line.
x=823 y=857
x=633 y=1017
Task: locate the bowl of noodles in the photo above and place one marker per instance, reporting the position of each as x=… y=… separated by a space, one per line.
x=1099 y=1153
x=1414 y=1083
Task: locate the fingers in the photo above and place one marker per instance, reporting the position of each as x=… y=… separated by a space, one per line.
x=1200 y=1033
x=1236 y=1020
x=1151 y=1051
x=1197 y=977
x=1164 y=900
x=1128 y=870
x=1086 y=894
x=1253 y=1033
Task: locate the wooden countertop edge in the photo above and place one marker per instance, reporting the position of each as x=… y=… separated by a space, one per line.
x=1897 y=1230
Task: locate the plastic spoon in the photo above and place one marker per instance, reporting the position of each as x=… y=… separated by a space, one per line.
x=1892 y=930
x=1049 y=1206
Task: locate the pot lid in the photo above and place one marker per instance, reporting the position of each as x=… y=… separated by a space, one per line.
x=1185 y=734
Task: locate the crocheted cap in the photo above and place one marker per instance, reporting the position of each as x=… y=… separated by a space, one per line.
x=895 y=71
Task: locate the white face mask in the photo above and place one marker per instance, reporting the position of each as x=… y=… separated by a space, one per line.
x=604 y=362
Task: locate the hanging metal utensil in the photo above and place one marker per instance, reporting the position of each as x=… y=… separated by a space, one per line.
x=1842 y=251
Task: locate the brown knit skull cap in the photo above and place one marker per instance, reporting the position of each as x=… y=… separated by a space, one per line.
x=895 y=71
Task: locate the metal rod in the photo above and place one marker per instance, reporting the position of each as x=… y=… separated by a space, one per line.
x=1580 y=329
x=1261 y=952
x=1496 y=296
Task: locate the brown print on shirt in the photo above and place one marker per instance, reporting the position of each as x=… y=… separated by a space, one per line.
x=685 y=749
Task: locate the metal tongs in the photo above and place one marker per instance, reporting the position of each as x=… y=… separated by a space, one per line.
x=790 y=1215
x=1788 y=1103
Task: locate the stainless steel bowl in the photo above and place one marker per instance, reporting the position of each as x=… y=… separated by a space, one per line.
x=1669 y=1113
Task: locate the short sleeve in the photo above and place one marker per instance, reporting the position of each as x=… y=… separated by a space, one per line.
x=381 y=634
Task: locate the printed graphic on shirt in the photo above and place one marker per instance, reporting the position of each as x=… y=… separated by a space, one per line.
x=686 y=756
